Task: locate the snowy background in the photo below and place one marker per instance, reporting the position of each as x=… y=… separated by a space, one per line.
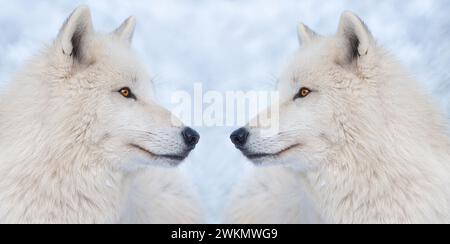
x=233 y=45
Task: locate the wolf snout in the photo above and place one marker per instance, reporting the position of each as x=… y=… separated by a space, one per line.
x=240 y=137
x=190 y=137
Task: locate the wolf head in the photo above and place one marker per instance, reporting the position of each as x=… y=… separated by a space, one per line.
x=89 y=92
x=337 y=91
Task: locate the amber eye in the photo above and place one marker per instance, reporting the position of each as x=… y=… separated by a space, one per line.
x=304 y=92
x=126 y=92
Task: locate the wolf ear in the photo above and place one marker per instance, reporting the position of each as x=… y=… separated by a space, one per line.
x=74 y=34
x=305 y=34
x=126 y=30
x=354 y=37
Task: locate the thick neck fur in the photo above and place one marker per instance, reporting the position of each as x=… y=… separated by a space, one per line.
x=392 y=162
x=49 y=168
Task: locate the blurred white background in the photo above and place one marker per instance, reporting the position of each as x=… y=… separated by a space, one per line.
x=233 y=45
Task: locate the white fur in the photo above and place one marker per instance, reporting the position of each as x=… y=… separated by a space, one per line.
x=371 y=146
x=272 y=195
x=167 y=198
x=66 y=135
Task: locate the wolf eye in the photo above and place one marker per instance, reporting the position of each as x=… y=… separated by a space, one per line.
x=304 y=92
x=126 y=92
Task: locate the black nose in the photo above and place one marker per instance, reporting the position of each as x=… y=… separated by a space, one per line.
x=239 y=137
x=191 y=137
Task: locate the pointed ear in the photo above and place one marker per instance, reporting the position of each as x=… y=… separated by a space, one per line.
x=306 y=35
x=126 y=30
x=75 y=32
x=354 y=36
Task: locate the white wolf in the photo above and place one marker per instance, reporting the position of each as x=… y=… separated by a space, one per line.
x=363 y=142
x=79 y=129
